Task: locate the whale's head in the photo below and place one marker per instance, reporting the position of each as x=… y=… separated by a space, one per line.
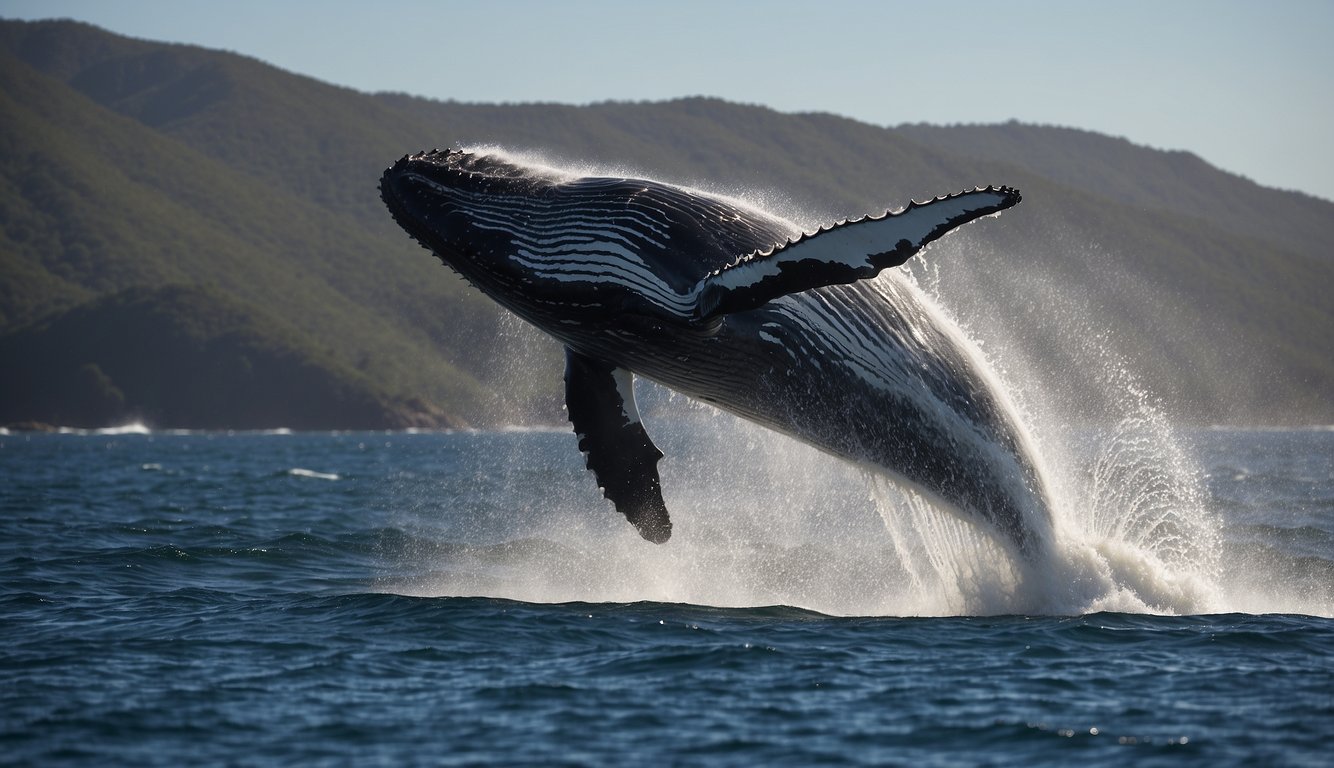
x=547 y=244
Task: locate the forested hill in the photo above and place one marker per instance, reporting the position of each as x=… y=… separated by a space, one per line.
x=148 y=187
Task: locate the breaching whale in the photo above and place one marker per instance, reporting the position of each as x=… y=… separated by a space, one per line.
x=736 y=308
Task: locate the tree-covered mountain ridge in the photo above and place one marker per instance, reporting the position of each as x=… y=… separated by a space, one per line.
x=145 y=182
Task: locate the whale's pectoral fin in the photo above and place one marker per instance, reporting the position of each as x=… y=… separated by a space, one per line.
x=601 y=402
x=843 y=253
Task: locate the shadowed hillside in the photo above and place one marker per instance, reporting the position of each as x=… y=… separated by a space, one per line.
x=136 y=165
x=187 y=357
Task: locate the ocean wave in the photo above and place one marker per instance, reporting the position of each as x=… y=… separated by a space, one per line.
x=299 y=472
x=129 y=428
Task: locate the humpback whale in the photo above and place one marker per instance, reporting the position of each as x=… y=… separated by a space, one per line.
x=737 y=308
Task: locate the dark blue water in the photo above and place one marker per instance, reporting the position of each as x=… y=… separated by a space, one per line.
x=468 y=598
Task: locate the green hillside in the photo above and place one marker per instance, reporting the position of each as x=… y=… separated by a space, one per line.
x=131 y=165
x=185 y=356
x=93 y=203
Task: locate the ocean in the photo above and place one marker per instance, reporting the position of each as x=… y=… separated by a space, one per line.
x=468 y=598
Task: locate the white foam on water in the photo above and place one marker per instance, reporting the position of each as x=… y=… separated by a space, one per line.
x=761 y=519
x=299 y=472
x=129 y=428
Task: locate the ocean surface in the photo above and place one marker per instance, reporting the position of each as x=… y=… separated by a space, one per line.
x=468 y=598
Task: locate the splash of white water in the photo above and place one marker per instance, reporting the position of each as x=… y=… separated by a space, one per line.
x=765 y=520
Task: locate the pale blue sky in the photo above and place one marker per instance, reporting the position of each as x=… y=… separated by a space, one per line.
x=1249 y=86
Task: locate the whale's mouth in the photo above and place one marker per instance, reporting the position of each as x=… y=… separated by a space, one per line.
x=412 y=187
x=456 y=169
x=477 y=212
x=425 y=191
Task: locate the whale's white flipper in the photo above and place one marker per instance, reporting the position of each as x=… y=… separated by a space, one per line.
x=842 y=253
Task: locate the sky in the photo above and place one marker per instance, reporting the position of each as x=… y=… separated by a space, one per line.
x=1248 y=86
